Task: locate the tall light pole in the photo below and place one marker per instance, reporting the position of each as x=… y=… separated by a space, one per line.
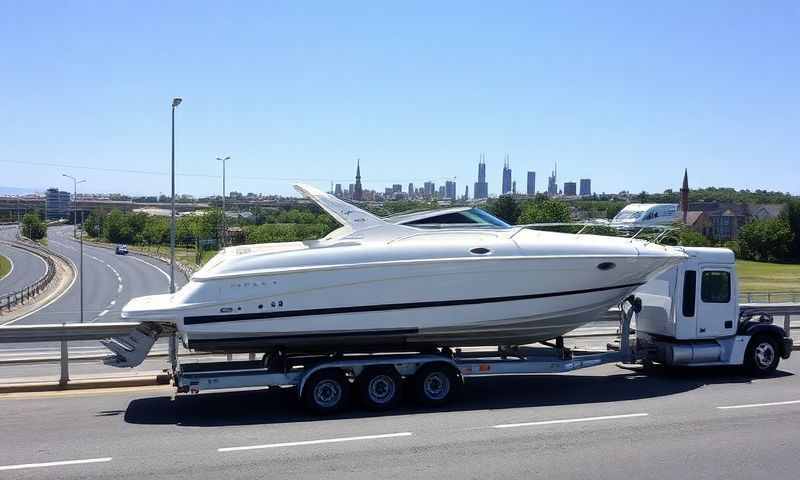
x=224 y=228
x=75 y=183
x=175 y=102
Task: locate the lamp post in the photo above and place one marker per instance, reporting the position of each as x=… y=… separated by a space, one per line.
x=224 y=228
x=75 y=183
x=175 y=102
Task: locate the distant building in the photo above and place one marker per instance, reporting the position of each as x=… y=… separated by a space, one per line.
x=397 y=188
x=358 y=192
x=552 y=186
x=570 y=189
x=338 y=190
x=466 y=193
x=57 y=204
x=586 y=187
x=531 y=184
x=442 y=192
x=481 y=189
x=506 y=177
x=410 y=190
x=430 y=189
x=514 y=187
x=684 y=206
x=450 y=190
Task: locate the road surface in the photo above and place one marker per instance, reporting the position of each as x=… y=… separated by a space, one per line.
x=26 y=268
x=603 y=422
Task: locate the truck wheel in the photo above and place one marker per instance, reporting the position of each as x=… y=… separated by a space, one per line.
x=379 y=387
x=761 y=357
x=326 y=391
x=436 y=383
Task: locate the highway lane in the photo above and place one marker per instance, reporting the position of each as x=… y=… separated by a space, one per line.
x=603 y=422
x=27 y=268
x=110 y=281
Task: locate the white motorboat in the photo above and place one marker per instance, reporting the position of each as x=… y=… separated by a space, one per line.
x=377 y=285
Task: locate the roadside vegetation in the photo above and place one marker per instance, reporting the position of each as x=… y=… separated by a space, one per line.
x=5 y=266
x=33 y=226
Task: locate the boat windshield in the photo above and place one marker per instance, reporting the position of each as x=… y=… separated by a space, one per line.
x=629 y=215
x=472 y=218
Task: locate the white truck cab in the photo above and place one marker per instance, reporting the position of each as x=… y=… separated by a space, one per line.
x=690 y=316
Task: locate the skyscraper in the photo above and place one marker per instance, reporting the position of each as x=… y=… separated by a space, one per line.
x=430 y=189
x=570 y=189
x=506 y=177
x=531 y=184
x=552 y=185
x=410 y=190
x=358 y=192
x=481 y=189
x=586 y=187
x=338 y=190
x=450 y=190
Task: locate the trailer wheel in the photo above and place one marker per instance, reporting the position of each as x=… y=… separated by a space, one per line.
x=326 y=391
x=762 y=357
x=379 y=387
x=437 y=383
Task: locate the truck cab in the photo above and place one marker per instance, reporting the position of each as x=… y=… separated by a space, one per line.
x=690 y=316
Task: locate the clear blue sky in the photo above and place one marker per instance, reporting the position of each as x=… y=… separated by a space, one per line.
x=626 y=93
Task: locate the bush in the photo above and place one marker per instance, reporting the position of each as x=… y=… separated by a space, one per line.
x=33 y=227
x=544 y=210
x=766 y=240
x=505 y=208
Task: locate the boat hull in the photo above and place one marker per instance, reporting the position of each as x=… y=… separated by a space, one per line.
x=408 y=306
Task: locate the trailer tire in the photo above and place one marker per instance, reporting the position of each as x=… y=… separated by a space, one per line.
x=326 y=391
x=437 y=383
x=762 y=355
x=379 y=388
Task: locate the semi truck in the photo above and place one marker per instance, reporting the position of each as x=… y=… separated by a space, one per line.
x=688 y=316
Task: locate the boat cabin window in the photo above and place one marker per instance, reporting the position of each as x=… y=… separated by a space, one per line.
x=716 y=287
x=474 y=217
x=689 y=289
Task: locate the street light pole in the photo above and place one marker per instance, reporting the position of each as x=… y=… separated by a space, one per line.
x=175 y=102
x=75 y=183
x=224 y=220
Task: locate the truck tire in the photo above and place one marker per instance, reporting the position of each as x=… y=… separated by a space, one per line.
x=326 y=391
x=437 y=383
x=379 y=387
x=762 y=355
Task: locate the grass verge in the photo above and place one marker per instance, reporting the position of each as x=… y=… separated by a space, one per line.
x=767 y=277
x=5 y=266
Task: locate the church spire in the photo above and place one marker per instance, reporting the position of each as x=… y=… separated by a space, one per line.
x=358 y=193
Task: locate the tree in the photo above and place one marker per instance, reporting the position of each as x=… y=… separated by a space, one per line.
x=766 y=240
x=791 y=215
x=505 y=208
x=93 y=224
x=116 y=228
x=544 y=211
x=33 y=227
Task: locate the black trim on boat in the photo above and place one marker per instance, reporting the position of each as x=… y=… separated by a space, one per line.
x=196 y=320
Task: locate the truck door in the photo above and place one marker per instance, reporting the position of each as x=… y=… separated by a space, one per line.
x=716 y=305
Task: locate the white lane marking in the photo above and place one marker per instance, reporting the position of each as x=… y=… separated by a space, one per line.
x=148 y=263
x=569 y=420
x=315 y=442
x=754 y=405
x=102 y=313
x=119 y=288
x=55 y=464
x=113 y=302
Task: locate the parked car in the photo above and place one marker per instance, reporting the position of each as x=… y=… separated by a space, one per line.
x=122 y=250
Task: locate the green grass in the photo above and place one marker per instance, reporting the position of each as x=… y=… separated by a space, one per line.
x=5 y=266
x=767 y=277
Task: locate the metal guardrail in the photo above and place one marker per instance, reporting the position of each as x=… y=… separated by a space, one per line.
x=12 y=299
x=769 y=297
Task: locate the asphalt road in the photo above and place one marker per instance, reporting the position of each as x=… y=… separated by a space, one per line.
x=110 y=281
x=603 y=422
x=26 y=269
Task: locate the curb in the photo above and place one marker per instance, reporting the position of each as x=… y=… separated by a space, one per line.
x=86 y=384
